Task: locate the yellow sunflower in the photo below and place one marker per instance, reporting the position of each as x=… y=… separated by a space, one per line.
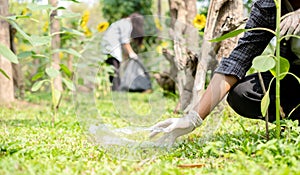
x=88 y=32
x=199 y=21
x=46 y=27
x=101 y=27
x=157 y=24
x=85 y=18
x=162 y=45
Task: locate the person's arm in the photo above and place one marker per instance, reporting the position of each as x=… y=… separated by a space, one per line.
x=125 y=34
x=215 y=92
x=226 y=75
x=130 y=51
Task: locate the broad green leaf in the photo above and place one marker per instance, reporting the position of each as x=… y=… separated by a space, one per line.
x=37 y=76
x=66 y=70
x=20 y=31
x=37 y=85
x=228 y=35
x=25 y=54
x=8 y=54
x=69 y=84
x=59 y=8
x=36 y=7
x=4 y=73
x=56 y=95
x=68 y=15
x=264 y=105
x=72 y=31
x=39 y=56
x=263 y=63
x=69 y=51
x=239 y=31
x=39 y=40
x=51 y=72
x=284 y=68
x=15 y=17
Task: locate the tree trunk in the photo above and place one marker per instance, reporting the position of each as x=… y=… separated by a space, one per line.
x=6 y=85
x=186 y=41
x=18 y=77
x=55 y=44
x=223 y=17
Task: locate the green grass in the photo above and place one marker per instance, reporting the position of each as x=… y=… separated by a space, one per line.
x=29 y=144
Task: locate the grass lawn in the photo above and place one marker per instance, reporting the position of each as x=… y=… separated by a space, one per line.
x=225 y=144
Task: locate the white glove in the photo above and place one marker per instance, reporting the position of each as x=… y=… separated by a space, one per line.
x=133 y=55
x=175 y=127
x=290 y=25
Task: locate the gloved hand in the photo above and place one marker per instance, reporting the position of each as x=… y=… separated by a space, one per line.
x=290 y=25
x=175 y=127
x=133 y=55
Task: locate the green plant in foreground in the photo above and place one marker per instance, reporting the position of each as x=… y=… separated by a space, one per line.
x=277 y=65
x=45 y=44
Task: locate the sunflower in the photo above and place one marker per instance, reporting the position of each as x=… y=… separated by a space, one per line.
x=199 y=21
x=46 y=26
x=157 y=24
x=101 y=27
x=85 y=18
x=159 y=48
x=88 y=32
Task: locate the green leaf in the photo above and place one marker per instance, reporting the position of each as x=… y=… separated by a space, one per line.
x=68 y=15
x=284 y=68
x=264 y=105
x=4 y=73
x=51 y=72
x=8 y=54
x=39 y=40
x=72 y=31
x=15 y=17
x=37 y=85
x=25 y=54
x=39 y=56
x=37 y=76
x=36 y=7
x=263 y=63
x=69 y=84
x=56 y=95
x=66 y=70
x=228 y=35
x=69 y=51
x=72 y=1
x=34 y=40
x=239 y=31
x=20 y=31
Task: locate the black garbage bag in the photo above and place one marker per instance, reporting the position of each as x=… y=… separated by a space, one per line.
x=135 y=77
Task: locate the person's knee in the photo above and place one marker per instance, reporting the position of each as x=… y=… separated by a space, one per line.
x=244 y=99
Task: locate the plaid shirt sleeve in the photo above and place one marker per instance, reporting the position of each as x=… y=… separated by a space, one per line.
x=253 y=43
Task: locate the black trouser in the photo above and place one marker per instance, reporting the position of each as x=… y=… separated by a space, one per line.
x=245 y=97
x=114 y=79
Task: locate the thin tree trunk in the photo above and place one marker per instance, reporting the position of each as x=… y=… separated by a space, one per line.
x=186 y=40
x=6 y=85
x=18 y=77
x=55 y=44
x=159 y=9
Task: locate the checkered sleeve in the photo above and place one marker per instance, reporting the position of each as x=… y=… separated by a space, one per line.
x=253 y=43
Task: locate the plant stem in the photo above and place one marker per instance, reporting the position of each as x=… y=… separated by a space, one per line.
x=53 y=105
x=261 y=81
x=278 y=16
